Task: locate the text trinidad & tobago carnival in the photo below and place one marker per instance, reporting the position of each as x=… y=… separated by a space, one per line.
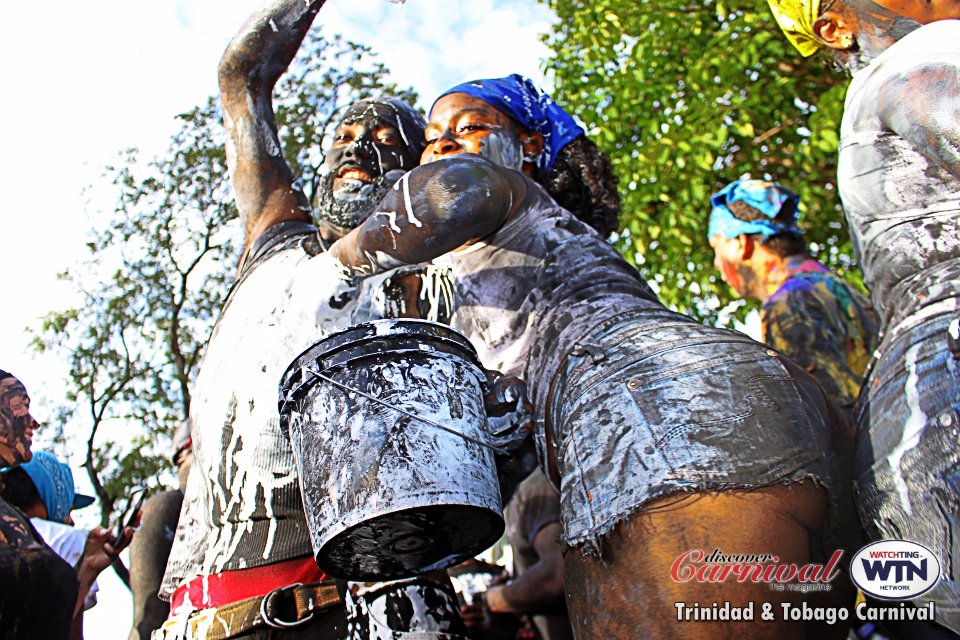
x=720 y=567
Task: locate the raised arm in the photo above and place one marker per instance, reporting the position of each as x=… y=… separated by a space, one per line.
x=924 y=108
x=249 y=69
x=431 y=210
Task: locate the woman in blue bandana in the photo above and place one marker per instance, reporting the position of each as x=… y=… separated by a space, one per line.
x=661 y=435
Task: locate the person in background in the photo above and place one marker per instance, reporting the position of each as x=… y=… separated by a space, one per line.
x=150 y=549
x=898 y=174
x=809 y=313
x=43 y=490
x=39 y=589
x=536 y=588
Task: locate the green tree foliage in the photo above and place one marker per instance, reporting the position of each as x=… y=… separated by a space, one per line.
x=161 y=261
x=685 y=96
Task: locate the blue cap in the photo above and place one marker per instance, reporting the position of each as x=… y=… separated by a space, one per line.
x=523 y=101
x=766 y=197
x=54 y=482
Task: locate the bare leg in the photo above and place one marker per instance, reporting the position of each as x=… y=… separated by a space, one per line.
x=630 y=592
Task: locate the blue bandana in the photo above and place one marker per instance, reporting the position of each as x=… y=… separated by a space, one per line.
x=54 y=482
x=765 y=197
x=520 y=99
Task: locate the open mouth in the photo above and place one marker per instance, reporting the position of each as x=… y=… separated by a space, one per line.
x=352 y=180
x=352 y=172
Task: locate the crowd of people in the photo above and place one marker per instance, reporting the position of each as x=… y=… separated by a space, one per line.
x=654 y=435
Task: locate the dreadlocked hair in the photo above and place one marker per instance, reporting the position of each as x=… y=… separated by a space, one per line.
x=783 y=244
x=582 y=182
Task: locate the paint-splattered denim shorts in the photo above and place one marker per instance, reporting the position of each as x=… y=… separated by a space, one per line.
x=653 y=404
x=908 y=450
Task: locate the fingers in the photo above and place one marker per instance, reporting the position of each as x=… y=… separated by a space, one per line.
x=473 y=616
x=114 y=547
x=506 y=393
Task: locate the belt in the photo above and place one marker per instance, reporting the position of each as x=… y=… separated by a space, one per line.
x=299 y=603
x=217 y=589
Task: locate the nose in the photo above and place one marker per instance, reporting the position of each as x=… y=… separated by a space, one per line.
x=359 y=147
x=446 y=144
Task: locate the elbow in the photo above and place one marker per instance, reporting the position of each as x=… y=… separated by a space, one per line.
x=477 y=191
x=241 y=57
x=230 y=69
x=553 y=587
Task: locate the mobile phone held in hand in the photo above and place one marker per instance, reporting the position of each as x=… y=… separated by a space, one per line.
x=129 y=514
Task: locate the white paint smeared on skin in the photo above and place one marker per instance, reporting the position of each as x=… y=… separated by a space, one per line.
x=912 y=428
x=273 y=25
x=503 y=149
x=403 y=133
x=391 y=216
x=385 y=261
x=269 y=140
x=234 y=130
x=407 y=204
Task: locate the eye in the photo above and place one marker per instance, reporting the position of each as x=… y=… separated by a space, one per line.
x=343 y=136
x=468 y=127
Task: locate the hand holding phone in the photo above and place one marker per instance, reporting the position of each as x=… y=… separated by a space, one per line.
x=130 y=515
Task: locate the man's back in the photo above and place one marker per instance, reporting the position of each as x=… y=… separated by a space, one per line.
x=824 y=325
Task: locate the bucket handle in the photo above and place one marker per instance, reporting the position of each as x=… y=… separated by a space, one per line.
x=345 y=387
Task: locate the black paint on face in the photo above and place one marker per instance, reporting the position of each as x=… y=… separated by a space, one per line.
x=16 y=423
x=374 y=144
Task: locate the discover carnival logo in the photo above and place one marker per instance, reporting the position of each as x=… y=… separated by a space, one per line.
x=895 y=569
x=717 y=566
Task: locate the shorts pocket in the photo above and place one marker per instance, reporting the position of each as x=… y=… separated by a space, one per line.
x=726 y=414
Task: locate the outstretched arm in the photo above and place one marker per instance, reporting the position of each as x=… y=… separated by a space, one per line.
x=249 y=70
x=431 y=210
x=539 y=588
x=924 y=108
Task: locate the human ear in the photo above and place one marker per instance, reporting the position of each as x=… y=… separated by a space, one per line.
x=744 y=246
x=532 y=142
x=835 y=31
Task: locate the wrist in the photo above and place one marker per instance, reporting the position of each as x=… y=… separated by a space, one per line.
x=495 y=601
x=86 y=576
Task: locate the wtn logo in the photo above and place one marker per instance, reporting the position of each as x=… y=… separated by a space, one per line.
x=895 y=569
x=903 y=570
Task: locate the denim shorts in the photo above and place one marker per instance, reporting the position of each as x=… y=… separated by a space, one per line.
x=907 y=460
x=653 y=404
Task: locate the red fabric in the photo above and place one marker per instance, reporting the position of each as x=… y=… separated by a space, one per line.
x=230 y=586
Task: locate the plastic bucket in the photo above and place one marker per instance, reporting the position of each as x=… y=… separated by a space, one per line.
x=387 y=495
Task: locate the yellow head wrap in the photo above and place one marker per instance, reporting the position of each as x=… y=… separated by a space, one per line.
x=796 y=18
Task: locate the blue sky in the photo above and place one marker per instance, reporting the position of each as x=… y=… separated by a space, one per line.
x=99 y=77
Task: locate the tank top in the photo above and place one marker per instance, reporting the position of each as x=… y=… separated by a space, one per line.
x=530 y=292
x=242 y=505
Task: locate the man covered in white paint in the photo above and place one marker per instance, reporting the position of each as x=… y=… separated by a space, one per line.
x=242 y=562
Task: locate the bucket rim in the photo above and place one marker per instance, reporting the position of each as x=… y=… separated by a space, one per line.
x=293 y=380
